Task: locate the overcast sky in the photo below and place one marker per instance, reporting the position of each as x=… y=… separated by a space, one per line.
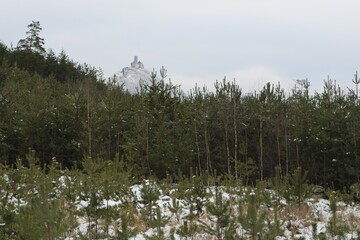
x=199 y=41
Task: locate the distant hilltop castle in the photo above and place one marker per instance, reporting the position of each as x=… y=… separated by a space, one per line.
x=134 y=76
x=136 y=63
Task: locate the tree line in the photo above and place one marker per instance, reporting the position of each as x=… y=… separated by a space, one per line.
x=66 y=112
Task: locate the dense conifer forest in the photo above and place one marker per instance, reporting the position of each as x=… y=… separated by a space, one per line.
x=66 y=112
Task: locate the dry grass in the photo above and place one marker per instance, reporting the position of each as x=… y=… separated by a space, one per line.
x=352 y=221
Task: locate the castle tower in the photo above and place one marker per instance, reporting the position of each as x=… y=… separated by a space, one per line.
x=135 y=63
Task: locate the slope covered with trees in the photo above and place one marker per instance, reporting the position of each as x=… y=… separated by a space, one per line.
x=65 y=112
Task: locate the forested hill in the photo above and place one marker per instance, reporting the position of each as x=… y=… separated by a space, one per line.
x=30 y=55
x=64 y=112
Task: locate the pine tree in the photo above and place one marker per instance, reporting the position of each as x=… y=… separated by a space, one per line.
x=125 y=232
x=220 y=213
x=253 y=221
x=33 y=41
x=150 y=193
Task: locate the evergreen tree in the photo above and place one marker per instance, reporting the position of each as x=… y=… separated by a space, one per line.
x=220 y=212
x=33 y=41
x=253 y=221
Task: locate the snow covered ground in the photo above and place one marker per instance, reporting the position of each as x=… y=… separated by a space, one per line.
x=312 y=219
x=191 y=209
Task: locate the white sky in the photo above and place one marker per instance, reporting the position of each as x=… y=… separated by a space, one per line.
x=199 y=41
